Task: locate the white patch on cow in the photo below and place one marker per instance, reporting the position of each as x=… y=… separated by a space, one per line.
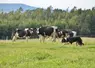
x=60 y=32
x=16 y=34
x=74 y=33
x=65 y=38
x=16 y=29
x=31 y=32
x=26 y=29
x=67 y=35
x=37 y=30
x=54 y=32
x=31 y=28
x=14 y=38
x=27 y=39
x=55 y=27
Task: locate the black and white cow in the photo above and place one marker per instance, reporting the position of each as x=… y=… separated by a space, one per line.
x=47 y=31
x=19 y=33
x=66 y=33
x=71 y=40
x=72 y=33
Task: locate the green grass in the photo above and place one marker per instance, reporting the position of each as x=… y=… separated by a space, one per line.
x=33 y=54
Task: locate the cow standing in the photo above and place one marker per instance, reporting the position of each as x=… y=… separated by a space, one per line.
x=18 y=33
x=47 y=31
x=66 y=33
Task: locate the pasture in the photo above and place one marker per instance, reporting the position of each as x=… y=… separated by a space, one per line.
x=33 y=54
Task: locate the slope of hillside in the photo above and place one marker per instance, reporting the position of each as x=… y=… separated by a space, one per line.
x=6 y=7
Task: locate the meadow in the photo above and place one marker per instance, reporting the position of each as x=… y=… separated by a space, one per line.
x=33 y=54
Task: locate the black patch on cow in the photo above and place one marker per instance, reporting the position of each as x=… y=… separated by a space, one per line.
x=46 y=31
x=71 y=40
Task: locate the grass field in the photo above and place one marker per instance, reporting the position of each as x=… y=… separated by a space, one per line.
x=33 y=54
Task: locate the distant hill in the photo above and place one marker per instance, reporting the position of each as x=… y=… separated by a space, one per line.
x=6 y=7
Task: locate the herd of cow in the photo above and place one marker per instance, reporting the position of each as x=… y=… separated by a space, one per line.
x=48 y=31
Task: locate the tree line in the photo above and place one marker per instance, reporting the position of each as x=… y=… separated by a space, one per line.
x=82 y=21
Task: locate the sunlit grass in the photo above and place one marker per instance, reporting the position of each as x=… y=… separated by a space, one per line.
x=34 y=54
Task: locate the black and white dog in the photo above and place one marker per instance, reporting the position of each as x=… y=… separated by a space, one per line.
x=71 y=40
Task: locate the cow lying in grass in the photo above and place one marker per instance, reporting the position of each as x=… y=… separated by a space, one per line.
x=71 y=40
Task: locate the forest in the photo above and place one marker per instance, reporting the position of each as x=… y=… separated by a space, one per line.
x=80 y=20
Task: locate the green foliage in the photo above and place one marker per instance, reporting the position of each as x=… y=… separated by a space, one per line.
x=83 y=21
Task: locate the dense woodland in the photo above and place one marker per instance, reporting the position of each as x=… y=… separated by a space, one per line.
x=80 y=20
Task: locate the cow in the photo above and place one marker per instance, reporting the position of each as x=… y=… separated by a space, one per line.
x=71 y=40
x=66 y=33
x=22 y=33
x=47 y=31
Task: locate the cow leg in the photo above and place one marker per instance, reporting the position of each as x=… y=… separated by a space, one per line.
x=27 y=38
x=48 y=38
x=79 y=43
x=59 y=39
x=70 y=42
x=54 y=40
x=41 y=38
x=82 y=43
x=54 y=36
x=76 y=43
x=14 y=38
